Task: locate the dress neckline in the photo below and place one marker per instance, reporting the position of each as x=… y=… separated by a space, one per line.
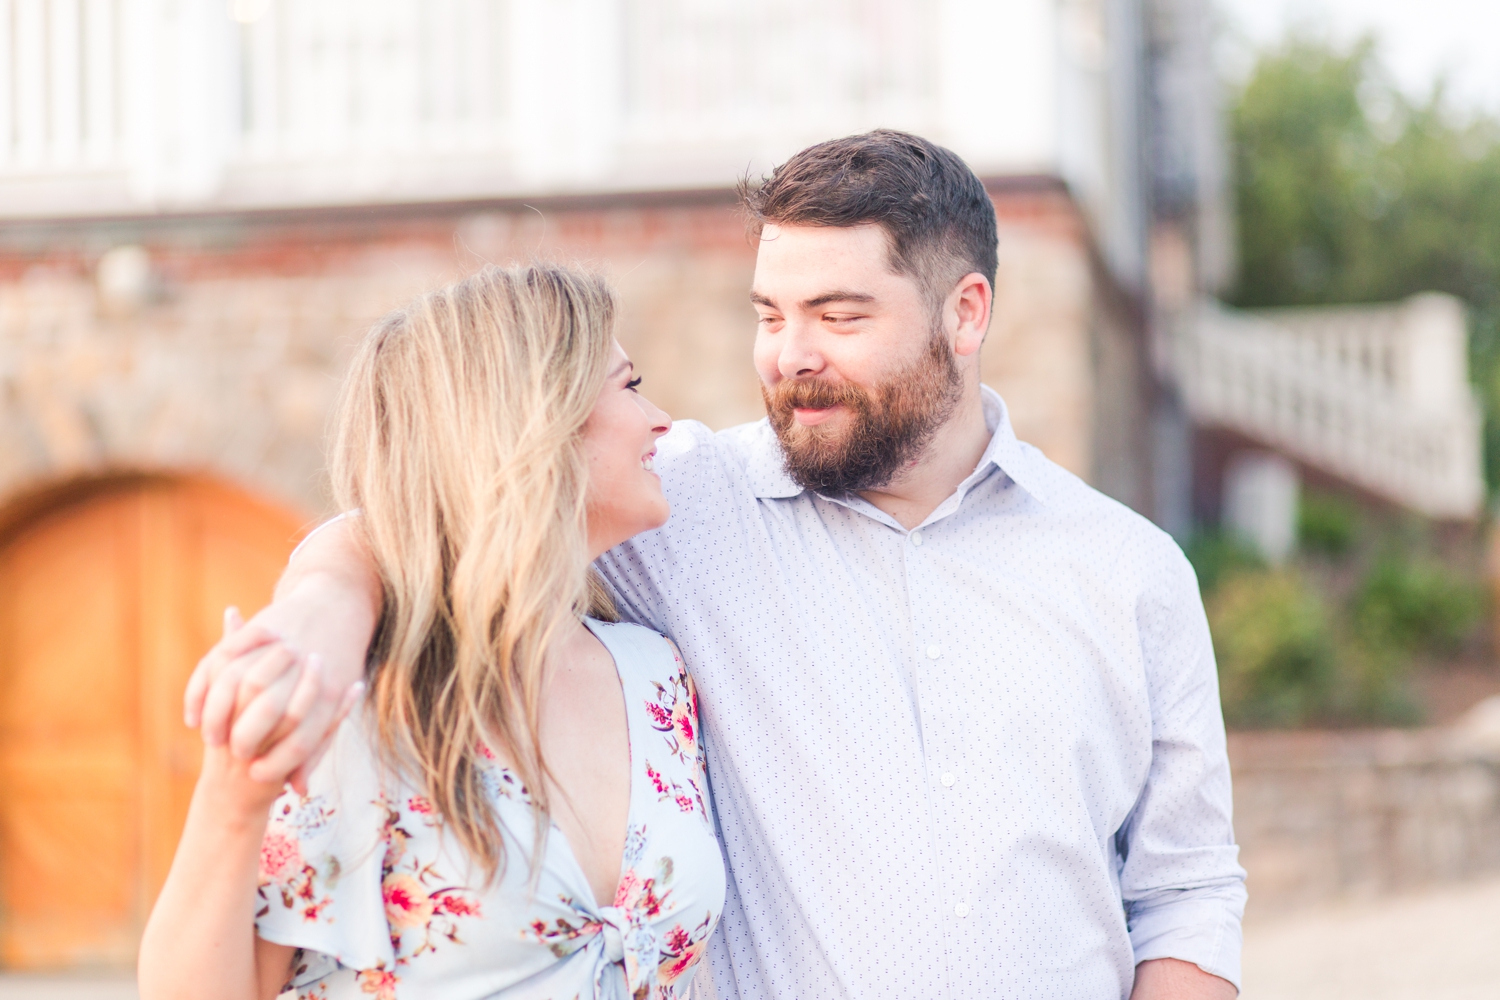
x=630 y=812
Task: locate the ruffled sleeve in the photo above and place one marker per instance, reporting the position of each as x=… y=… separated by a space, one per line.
x=321 y=865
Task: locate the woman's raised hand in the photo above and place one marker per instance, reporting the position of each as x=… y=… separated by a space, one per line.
x=271 y=704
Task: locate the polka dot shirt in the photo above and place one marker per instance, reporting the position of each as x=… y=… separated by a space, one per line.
x=980 y=758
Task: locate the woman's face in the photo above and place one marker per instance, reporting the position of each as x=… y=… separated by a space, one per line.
x=624 y=494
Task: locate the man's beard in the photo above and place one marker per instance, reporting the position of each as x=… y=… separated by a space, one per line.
x=889 y=429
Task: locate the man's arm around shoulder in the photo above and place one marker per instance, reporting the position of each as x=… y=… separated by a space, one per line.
x=283 y=676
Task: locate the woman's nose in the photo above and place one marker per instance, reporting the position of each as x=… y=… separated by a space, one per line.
x=660 y=421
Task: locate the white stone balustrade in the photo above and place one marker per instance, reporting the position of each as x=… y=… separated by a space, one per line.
x=1376 y=395
x=125 y=107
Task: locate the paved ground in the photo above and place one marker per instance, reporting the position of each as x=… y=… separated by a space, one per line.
x=1438 y=945
x=1442 y=944
x=80 y=987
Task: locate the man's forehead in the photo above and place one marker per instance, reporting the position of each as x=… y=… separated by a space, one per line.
x=863 y=240
x=822 y=262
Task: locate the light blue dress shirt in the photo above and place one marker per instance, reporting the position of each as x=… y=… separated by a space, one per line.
x=981 y=758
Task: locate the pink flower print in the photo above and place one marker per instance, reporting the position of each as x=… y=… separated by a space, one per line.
x=561 y=936
x=687 y=803
x=659 y=715
x=377 y=982
x=678 y=938
x=629 y=883
x=684 y=723
x=420 y=805
x=680 y=951
x=280 y=854
x=656 y=779
x=406 y=902
x=675 y=966
x=458 y=906
x=395 y=845
x=637 y=897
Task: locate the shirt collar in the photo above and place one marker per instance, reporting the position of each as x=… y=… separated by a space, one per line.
x=766 y=469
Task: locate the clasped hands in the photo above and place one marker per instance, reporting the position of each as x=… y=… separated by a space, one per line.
x=269 y=703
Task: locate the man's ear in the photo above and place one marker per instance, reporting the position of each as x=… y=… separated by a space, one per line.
x=970 y=303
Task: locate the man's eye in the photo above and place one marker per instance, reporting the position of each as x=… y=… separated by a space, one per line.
x=633 y=384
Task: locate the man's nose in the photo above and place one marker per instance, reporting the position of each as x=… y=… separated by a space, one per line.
x=799 y=357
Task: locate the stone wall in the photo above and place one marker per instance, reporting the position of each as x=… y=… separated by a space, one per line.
x=1321 y=815
x=226 y=357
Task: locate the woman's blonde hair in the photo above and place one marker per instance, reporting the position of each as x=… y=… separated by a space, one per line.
x=459 y=438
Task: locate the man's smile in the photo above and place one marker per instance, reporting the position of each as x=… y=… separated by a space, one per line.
x=809 y=417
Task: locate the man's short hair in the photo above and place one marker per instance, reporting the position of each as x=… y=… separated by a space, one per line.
x=934 y=210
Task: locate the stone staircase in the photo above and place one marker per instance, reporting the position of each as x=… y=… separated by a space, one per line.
x=1375 y=395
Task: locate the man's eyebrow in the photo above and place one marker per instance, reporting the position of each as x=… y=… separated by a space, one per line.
x=837 y=295
x=817 y=301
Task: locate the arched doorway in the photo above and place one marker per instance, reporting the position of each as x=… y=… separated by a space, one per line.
x=109 y=593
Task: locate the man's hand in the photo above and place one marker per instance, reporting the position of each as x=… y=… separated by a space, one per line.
x=259 y=692
x=1172 y=979
x=272 y=705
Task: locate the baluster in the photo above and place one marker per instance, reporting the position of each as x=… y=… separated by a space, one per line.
x=7 y=92
x=65 y=83
x=29 y=49
x=101 y=82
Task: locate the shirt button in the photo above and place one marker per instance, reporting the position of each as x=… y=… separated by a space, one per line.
x=948 y=779
x=961 y=910
x=933 y=652
x=916 y=538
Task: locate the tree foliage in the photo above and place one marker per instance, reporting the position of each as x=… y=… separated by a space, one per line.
x=1349 y=191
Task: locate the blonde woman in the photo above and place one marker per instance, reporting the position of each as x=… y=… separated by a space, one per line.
x=518 y=808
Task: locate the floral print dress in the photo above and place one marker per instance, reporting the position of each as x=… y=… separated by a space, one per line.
x=361 y=877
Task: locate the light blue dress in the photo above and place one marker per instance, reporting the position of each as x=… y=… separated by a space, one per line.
x=383 y=904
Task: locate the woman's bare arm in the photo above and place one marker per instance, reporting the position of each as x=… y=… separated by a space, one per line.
x=200 y=942
x=327 y=604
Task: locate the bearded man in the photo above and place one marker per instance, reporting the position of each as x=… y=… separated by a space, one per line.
x=961 y=710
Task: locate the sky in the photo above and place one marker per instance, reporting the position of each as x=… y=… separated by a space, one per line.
x=1420 y=40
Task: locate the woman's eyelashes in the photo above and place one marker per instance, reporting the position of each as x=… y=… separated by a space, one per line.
x=633 y=384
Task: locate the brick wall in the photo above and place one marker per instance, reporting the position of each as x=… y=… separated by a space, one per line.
x=231 y=363
x=1320 y=815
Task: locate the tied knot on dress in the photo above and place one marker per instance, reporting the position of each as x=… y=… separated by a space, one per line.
x=628 y=943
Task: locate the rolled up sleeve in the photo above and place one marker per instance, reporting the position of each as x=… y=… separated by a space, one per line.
x=1180 y=878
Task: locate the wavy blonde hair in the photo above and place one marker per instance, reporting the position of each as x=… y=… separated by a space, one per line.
x=459 y=438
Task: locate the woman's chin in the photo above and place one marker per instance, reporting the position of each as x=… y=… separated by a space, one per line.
x=624 y=528
x=658 y=517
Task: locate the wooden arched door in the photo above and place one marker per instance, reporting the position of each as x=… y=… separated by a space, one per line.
x=108 y=596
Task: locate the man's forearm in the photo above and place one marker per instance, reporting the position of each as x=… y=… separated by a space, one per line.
x=328 y=602
x=1171 y=979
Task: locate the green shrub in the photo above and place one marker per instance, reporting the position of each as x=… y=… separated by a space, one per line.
x=1415 y=607
x=1275 y=650
x=1217 y=555
x=1326 y=524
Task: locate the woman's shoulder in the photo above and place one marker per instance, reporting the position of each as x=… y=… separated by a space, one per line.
x=641 y=654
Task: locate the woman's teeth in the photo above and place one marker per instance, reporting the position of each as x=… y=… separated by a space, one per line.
x=648 y=462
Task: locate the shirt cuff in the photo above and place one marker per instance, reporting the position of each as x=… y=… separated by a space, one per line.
x=1201 y=926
